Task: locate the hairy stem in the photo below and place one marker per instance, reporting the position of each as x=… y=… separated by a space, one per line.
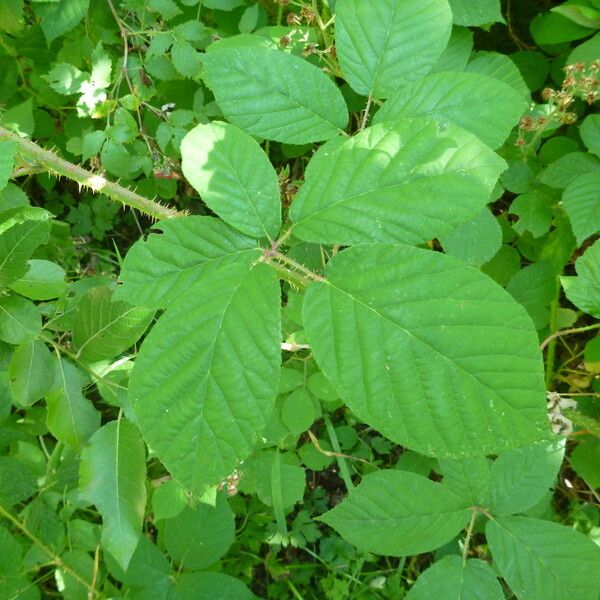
x=54 y=164
x=467 y=542
x=562 y=332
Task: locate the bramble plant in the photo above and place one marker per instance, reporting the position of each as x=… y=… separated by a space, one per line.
x=344 y=345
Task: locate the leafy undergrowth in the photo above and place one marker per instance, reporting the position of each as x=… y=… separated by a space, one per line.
x=299 y=299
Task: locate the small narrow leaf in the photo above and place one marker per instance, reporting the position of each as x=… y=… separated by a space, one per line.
x=383 y=44
x=410 y=183
x=158 y=271
x=481 y=105
x=72 y=418
x=112 y=476
x=234 y=177
x=202 y=412
x=398 y=513
x=275 y=95
x=103 y=329
x=443 y=360
x=541 y=560
x=451 y=577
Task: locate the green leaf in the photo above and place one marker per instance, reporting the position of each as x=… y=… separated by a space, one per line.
x=535 y=287
x=297 y=411
x=590 y=133
x=398 y=513
x=443 y=360
x=160 y=270
x=474 y=14
x=521 y=477
x=208 y=586
x=168 y=500
x=112 y=476
x=275 y=95
x=456 y=55
x=500 y=67
x=66 y=79
x=486 y=107
x=584 y=290
x=475 y=242
x=468 y=478
x=534 y=210
x=451 y=577
x=43 y=280
x=31 y=373
x=551 y=29
x=384 y=44
x=18 y=482
x=103 y=328
x=72 y=418
x=186 y=59
x=20 y=320
x=234 y=178
x=567 y=168
x=198 y=538
x=586 y=16
x=202 y=413
x=585 y=460
x=22 y=230
x=541 y=560
x=60 y=17
x=408 y=184
x=8 y=151
x=11 y=16
x=581 y=202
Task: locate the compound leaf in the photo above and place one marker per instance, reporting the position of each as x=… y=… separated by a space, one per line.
x=112 y=476
x=160 y=270
x=468 y=478
x=398 y=513
x=202 y=412
x=451 y=577
x=275 y=95
x=486 y=107
x=541 y=560
x=410 y=183
x=442 y=360
x=103 y=329
x=383 y=44
x=234 y=177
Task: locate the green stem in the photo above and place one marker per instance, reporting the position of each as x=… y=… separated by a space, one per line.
x=55 y=559
x=551 y=351
x=276 y=494
x=96 y=183
x=344 y=472
x=467 y=543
